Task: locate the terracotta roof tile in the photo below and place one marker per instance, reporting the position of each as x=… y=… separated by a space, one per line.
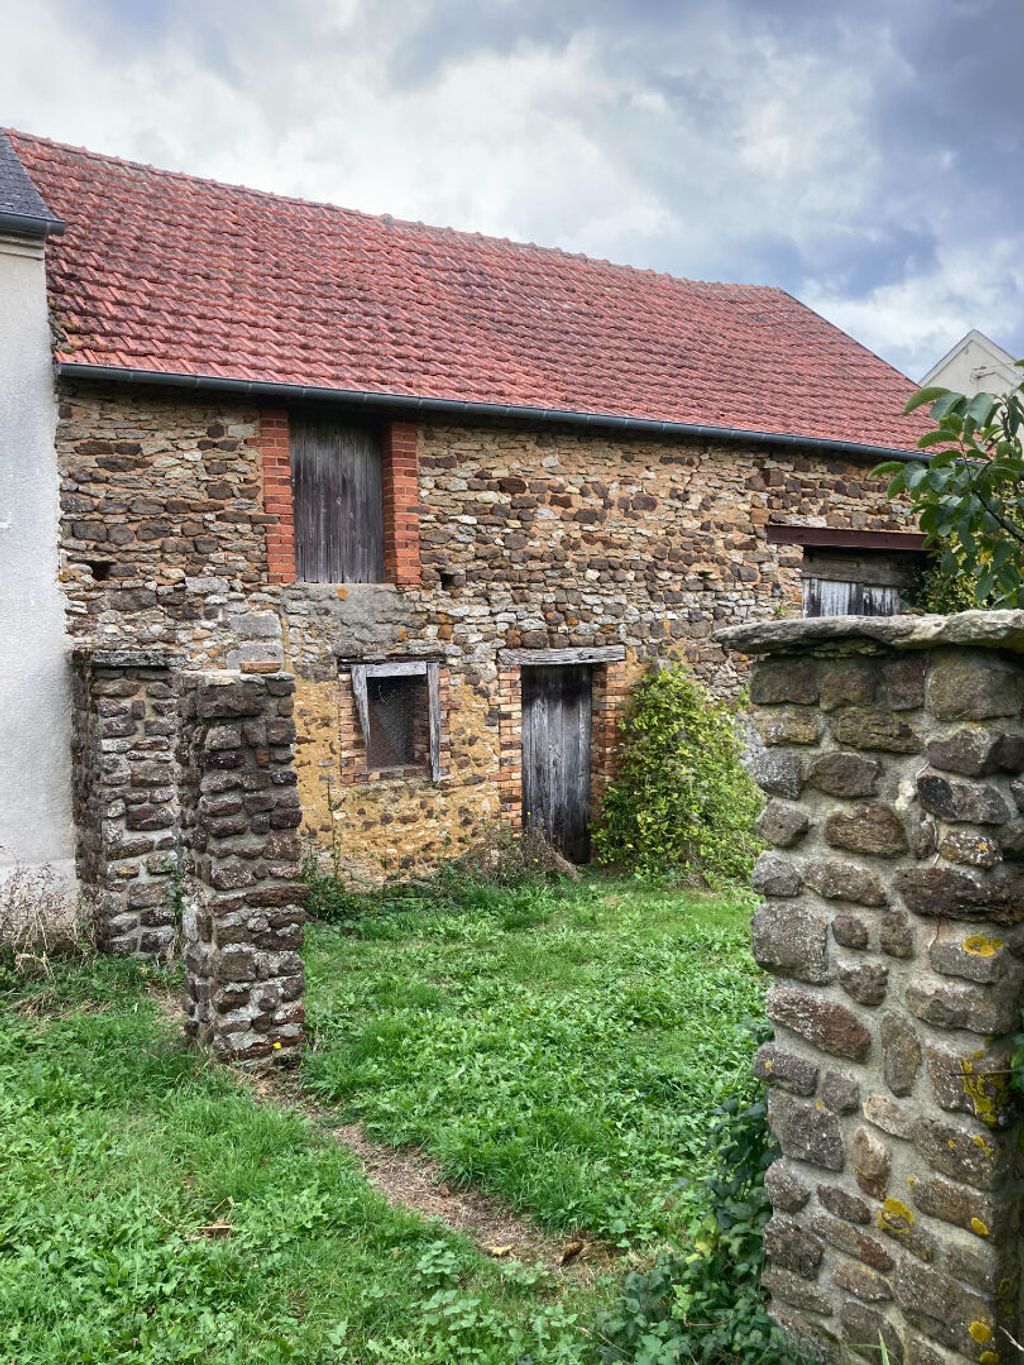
x=161 y=271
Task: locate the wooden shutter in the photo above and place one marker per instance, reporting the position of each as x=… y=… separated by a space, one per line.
x=339 y=520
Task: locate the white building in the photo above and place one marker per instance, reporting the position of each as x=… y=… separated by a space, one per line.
x=975 y=365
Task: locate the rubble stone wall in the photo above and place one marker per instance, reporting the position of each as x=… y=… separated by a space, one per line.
x=125 y=794
x=176 y=535
x=892 y=923
x=243 y=922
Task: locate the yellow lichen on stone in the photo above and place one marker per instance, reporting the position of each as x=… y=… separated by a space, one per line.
x=980 y=1332
x=894 y=1218
x=980 y=946
x=989 y=1358
x=979 y=1227
x=977 y=1087
x=981 y=1144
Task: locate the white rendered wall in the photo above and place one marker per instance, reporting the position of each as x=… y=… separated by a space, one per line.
x=35 y=697
x=975 y=365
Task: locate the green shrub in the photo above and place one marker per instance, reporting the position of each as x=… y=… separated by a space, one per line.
x=933 y=590
x=682 y=802
x=704 y=1303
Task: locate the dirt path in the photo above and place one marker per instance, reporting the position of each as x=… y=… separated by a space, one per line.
x=409 y=1178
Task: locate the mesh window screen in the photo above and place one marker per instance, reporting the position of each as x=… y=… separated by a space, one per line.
x=399 y=719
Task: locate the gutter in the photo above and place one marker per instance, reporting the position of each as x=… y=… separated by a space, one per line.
x=453 y=407
x=29 y=226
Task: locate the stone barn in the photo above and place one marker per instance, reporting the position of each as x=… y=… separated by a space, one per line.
x=464 y=490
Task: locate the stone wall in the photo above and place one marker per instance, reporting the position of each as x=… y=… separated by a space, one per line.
x=894 y=900
x=240 y=818
x=520 y=538
x=125 y=791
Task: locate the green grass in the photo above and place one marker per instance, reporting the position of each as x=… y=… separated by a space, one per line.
x=560 y=1049
x=122 y=1151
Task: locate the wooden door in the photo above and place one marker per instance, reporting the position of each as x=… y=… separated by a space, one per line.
x=556 y=756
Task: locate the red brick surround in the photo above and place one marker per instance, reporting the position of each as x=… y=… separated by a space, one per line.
x=400 y=471
x=400 y=479
x=277 y=494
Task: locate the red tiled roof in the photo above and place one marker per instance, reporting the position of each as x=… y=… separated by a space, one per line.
x=163 y=272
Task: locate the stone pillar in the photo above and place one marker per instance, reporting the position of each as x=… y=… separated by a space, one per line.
x=125 y=797
x=240 y=816
x=893 y=764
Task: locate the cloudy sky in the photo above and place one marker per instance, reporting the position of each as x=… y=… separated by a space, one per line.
x=867 y=155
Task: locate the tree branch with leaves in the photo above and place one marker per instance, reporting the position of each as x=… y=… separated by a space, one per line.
x=968 y=492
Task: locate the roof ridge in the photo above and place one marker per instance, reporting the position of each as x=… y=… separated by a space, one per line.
x=390 y=220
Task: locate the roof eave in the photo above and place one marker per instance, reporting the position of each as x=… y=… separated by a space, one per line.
x=411 y=403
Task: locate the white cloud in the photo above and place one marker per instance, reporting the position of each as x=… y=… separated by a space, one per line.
x=716 y=145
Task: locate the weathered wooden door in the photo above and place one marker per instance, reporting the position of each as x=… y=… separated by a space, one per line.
x=556 y=756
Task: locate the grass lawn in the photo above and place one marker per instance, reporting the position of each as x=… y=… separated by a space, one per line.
x=560 y=1052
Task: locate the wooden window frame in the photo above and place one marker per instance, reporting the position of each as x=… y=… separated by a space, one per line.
x=428 y=669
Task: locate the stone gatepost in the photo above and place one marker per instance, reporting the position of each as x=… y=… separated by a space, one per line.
x=240 y=816
x=893 y=763
x=126 y=796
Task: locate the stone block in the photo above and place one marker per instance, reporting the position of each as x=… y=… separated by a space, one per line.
x=792 y=1248
x=901 y=1053
x=795 y=1291
x=982 y=1009
x=821 y=1021
x=850 y=683
x=977 y=957
x=791 y=940
x=776 y=875
x=971 y=1156
x=840 y=1092
x=852 y=1242
x=949 y=893
x=865 y=982
x=863 y=1328
x=975 y=1083
x=842 y=1204
x=977 y=752
x=845 y=774
x=788 y=680
x=964 y=1207
x=806 y=1133
x=835 y=879
x=849 y=931
x=971 y=687
x=778 y=772
x=970 y=848
x=886 y=1114
x=775 y=1066
x=863 y=1282
x=778 y=726
x=782 y=824
x=871 y=1162
x=903 y=682
x=896 y=935
x=784 y=1187
x=870 y=827
x=944 y=1310
x=880 y=731
x=966 y=802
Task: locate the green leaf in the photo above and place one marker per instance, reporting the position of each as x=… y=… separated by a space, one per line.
x=923 y=396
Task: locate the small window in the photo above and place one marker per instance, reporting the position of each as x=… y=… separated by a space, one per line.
x=338 y=497
x=399 y=712
x=855 y=583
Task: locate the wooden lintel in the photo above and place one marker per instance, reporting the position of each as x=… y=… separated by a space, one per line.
x=542 y=658
x=836 y=538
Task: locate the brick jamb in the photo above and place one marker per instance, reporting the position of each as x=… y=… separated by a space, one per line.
x=400 y=485
x=275 y=457
x=510 y=746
